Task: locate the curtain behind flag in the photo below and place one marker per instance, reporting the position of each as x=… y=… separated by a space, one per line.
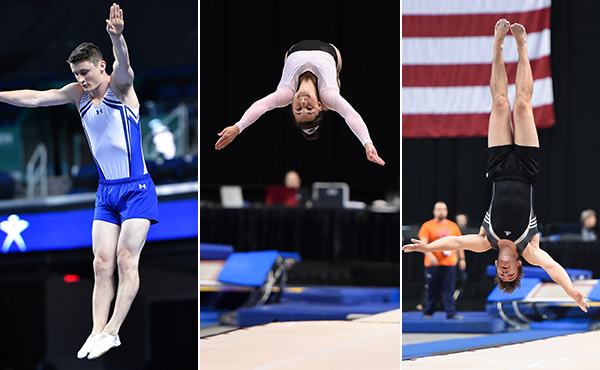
x=446 y=64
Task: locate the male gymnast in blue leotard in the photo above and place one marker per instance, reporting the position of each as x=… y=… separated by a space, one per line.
x=126 y=202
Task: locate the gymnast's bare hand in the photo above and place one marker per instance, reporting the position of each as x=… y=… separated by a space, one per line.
x=115 y=23
x=227 y=136
x=417 y=246
x=579 y=298
x=372 y=154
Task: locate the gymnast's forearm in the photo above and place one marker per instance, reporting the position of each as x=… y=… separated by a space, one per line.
x=560 y=276
x=471 y=242
x=260 y=107
x=20 y=98
x=447 y=243
x=252 y=114
x=334 y=101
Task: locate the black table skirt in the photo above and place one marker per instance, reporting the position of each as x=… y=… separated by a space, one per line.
x=334 y=235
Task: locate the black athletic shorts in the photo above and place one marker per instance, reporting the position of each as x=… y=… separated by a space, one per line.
x=513 y=162
x=314 y=45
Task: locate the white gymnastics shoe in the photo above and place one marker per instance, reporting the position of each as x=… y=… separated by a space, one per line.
x=104 y=343
x=88 y=345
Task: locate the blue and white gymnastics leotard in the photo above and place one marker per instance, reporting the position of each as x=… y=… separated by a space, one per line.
x=113 y=133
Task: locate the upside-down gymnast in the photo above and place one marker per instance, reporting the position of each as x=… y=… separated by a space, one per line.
x=126 y=202
x=510 y=224
x=310 y=83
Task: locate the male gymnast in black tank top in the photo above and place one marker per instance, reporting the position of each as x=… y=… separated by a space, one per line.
x=510 y=225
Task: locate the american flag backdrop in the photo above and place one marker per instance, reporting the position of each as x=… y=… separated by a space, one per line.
x=446 y=63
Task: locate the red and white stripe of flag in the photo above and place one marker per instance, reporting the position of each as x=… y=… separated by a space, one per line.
x=446 y=63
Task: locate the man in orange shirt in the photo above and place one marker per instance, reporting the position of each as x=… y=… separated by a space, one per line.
x=440 y=267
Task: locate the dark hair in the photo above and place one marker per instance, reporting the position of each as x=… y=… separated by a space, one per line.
x=509 y=286
x=462 y=213
x=86 y=51
x=309 y=124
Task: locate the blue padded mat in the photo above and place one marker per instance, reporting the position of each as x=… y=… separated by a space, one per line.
x=247 y=268
x=538 y=272
x=300 y=311
x=209 y=251
x=209 y=317
x=322 y=303
x=472 y=322
x=458 y=345
x=527 y=285
x=337 y=295
x=595 y=293
x=563 y=324
x=293 y=255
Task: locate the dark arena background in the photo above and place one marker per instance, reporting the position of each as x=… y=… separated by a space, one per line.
x=242 y=52
x=453 y=170
x=48 y=178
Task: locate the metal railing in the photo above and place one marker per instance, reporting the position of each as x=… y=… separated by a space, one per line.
x=180 y=116
x=38 y=174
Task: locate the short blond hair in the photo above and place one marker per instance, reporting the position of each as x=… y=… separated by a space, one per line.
x=587 y=213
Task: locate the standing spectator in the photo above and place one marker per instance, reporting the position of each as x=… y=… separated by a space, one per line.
x=588 y=223
x=462 y=220
x=440 y=267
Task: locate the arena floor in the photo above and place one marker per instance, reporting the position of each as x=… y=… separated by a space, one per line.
x=576 y=351
x=372 y=342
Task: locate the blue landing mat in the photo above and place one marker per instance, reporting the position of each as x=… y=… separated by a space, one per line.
x=303 y=311
x=248 y=268
x=209 y=317
x=564 y=324
x=520 y=293
x=538 y=272
x=341 y=295
x=473 y=322
x=459 y=345
x=210 y=251
x=322 y=303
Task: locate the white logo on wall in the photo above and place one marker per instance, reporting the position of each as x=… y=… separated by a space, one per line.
x=13 y=227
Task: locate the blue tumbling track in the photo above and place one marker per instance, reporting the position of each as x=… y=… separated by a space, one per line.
x=321 y=303
x=472 y=322
x=410 y=351
x=209 y=317
x=535 y=320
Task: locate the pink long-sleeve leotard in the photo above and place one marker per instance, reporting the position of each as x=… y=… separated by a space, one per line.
x=322 y=65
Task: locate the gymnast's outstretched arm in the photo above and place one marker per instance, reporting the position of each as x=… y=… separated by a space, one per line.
x=69 y=93
x=538 y=257
x=280 y=98
x=332 y=99
x=472 y=242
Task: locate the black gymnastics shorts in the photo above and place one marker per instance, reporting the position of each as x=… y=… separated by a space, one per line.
x=513 y=162
x=314 y=45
